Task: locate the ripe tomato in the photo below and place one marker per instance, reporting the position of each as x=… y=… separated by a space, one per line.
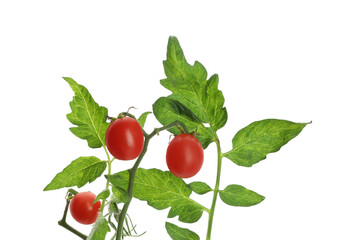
x=82 y=208
x=185 y=155
x=124 y=138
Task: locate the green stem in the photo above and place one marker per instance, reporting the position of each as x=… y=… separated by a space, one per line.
x=133 y=170
x=109 y=174
x=132 y=173
x=64 y=224
x=72 y=191
x=216 y=190
x=109 y=164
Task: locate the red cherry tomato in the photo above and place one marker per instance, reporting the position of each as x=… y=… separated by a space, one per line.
x=82 y=208
x=185 y=156
x=124 y=138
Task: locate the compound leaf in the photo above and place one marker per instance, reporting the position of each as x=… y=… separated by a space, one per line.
x=236 y=195
x=162 y=190
x=178 y=233
x=252 y=143
x=78 y=173
x=89 y=117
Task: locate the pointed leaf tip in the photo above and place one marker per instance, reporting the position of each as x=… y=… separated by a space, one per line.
x=89 y=117
x=252 y=143
x=236 y=195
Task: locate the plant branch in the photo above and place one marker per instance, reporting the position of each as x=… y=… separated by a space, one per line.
x=64 y=224
x=109 y=162
x=216 y=190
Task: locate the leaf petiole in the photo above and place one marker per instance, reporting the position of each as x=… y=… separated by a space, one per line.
x=72 y=191
x=109 y=162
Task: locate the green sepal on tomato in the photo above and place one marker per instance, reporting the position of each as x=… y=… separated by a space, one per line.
x=124 y=138
x=185 y=155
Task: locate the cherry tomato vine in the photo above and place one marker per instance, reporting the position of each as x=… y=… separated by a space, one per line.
x=193 y=113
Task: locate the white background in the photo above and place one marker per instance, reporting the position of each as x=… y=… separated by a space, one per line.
x=294 y=60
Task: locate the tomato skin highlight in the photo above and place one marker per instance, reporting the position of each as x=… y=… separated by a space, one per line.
x=185 y=156
x=124 y=138
x=82 y=208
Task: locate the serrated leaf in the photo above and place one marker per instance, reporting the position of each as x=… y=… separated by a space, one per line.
x=162 y=190
x=89 y=117
x=167 y=110
x=189 y=85
x=102 y=195
x=100 y=229
x=80 y=171
x=178 y=233
x=120 y=194
x=236 y=195
x=200 y=187
x=214 y=104
x=142 y=118
x=252 y=143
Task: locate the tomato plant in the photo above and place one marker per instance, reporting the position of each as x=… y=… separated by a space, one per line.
x=82 y=208
x=124 y=138
x=185 y=155
x=195 y=104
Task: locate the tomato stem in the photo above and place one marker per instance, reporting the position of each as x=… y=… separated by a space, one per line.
x=109 y=174
x=216 y=190
x=64 y=224
x=72 y=191
x=126 y=114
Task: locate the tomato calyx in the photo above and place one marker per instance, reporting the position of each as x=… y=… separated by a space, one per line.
x=181 y=129
x=122 y=115
x=195 y=133
x=127 y=113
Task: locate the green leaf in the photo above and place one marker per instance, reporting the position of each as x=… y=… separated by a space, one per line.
x=120 y=194
x=89 y=117
x=143 y=118
x=102 y=195
x=200 y=187
x=178 y=233
x=236 y=195
x=78 y=173
x=100 y=229
x=167 y=110
x=215 y=102
x=190 y=86
x=252 y=143
x=162 y=190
